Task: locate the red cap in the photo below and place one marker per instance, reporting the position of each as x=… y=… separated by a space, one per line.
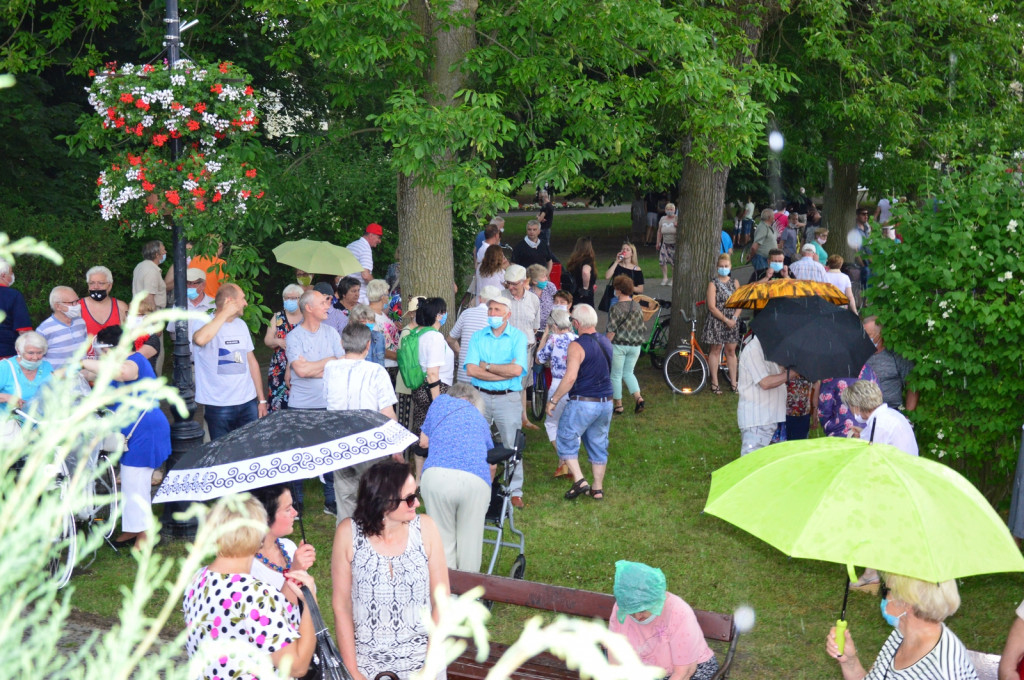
x=374 y=228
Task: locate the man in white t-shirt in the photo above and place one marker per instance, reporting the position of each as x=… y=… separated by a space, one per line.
x=492 y=237
x=468 y=323
x=352 y=383
x=228 y=379
x=362 y=248
x=198 y=301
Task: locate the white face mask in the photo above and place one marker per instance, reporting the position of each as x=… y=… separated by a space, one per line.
x=646 y=621
x=12 y=279
x=74 y=312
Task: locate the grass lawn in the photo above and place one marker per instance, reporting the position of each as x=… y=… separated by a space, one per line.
x=658 y=476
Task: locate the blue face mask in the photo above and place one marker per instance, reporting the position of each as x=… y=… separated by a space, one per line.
x=443 y=318
x=495 y=321
x=291 y=305
x=542 y=285
x=724 y=271
x=893 y=621
x=370 y=326
x=776 y=266
x=192 y=294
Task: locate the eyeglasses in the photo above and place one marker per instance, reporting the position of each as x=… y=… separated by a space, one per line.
x=409 y=500
x=69 y=302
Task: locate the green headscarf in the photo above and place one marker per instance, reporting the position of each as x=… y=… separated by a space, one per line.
x=638 y=588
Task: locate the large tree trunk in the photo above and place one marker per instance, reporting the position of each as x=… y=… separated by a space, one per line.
x=425 y=215
x=840 y=214
x=702 y=193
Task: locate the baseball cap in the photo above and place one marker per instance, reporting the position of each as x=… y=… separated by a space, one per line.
x=515 y=273
x=374 y=228
x=488 y=293
x=808 y=248
x=193 y=275
x=324 y=288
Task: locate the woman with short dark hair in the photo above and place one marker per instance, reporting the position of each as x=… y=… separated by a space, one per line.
x=626 y=333
x=386 y=566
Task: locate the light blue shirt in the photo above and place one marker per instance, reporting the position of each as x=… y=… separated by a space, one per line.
x=506 y=348
x=13 y=380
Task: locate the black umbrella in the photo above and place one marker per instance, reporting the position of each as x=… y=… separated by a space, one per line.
x=327 y=663
x=285 y=446
x=813 y=337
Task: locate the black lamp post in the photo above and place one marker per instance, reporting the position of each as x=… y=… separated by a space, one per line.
x=186 y=433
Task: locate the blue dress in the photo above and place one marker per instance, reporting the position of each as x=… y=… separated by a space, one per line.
x=150 y=444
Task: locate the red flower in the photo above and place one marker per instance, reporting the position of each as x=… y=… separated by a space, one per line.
x=127 y=98
x=92 y=74
x=119 y=122
x=115 y=167
x=200 y=107
x=250 y=173
x=193 y=125
x=151 y=209
x=99 y=181
x=148 y=68
x=217 y=88
x=175 y=106
x=139 y=129
x=148 y=186
x=259 y=195
x=200 y=206
x=224 y=66
x=159 y=140
x=175 y=134
x=218 y=135
x=141 y=105
x=199 y=191
x=245 y=193
x=111 y=113
x=172 y=197
x=248 y=90
x=216 y=196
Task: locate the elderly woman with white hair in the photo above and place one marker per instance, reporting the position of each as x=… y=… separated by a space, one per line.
x=364 y=314
x=921 y=646
x=24 y=374
x=281 y=324
x=378 y=293
x=554 y=350
x=883 y=425
x=456 y=479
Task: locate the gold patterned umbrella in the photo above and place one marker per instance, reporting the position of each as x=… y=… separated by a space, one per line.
x=756 y=295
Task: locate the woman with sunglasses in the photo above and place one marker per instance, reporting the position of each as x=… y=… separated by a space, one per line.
x=386 y=564
x=921 y=646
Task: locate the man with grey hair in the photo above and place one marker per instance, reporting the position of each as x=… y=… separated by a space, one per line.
x=883 y=425
x=587 y=384
x=16 y=320
x=148 y=280
x=365 y=316
x=468 y=323
x=546 y=216
x=807 y=268
x=531 y=250
x=351 y=383
x=525 y=308
x=64 y=330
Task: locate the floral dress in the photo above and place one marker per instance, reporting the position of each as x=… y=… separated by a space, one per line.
x=715 y=330
x=278 y=364
x=240 y=608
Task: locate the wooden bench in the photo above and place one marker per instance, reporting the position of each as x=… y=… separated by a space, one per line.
x=561 y=600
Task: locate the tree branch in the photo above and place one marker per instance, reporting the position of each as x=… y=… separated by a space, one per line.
x=309 y=154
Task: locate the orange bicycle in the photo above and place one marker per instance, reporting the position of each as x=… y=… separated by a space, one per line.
x=687 y=368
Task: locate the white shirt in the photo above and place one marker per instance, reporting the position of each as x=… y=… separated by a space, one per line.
x=481 y=251
x=748 y=211
x=758 y=406
x=525 y=314
x=469 y=322
x=364 y=253
x=808 y=269
x=889 y=426
x=435 y=352
x=222 y=367
x=839 y=280
x=268 y=575
x=351 y=384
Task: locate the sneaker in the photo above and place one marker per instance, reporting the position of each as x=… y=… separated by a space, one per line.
x=333 y=512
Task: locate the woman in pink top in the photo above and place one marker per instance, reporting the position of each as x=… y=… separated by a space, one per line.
x=660 y=626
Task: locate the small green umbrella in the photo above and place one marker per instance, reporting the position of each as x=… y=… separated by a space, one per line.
x=317 y=257
x=848 y=501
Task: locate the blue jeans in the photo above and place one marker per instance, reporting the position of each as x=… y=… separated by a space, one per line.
x=224 y=419
x=585 y=422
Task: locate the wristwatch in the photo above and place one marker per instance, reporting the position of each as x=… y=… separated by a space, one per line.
x=487 y=366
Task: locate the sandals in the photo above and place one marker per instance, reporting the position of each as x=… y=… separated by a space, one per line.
x=735 y=389
x=579 y=488
x=596 y=494
x=715 y=389
x=639 y=406
x=618 y=410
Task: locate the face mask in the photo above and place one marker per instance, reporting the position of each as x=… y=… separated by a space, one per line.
x=74 y=312
x=98 y=295
x=542 y=285
x=645 y=622
x=304 y=280
x=776 y=266
x=495 y=321
x=893 y=621
x=192 y=294
x=821 y=241
x=290 y=305
x=565 y=307
x=370 y=326
x=163 y=258
x=29 y=365
x=12 y=280
x=724 y=271
x=444 y=318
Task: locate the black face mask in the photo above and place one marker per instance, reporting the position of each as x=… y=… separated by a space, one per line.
x=98 y=295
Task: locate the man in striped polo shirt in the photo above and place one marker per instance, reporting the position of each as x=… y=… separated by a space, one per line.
x=64 y=330
x=762 y=388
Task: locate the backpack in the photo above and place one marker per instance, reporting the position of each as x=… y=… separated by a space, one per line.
x=413 y=374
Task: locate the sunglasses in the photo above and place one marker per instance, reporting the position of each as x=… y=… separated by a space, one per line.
x=409 y=500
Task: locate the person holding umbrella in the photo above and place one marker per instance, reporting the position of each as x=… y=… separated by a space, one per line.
x=762 y=405
x=279 y=555
x=921 y=646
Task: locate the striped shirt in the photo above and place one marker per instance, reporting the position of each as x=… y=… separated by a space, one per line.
x=807 y=269
x=62 y=339
x=525 y=314
x=468 y=323
x=758 y=406
x=947 y=661
x=364 y=253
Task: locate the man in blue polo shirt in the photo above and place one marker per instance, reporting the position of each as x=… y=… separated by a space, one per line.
x=495 y=362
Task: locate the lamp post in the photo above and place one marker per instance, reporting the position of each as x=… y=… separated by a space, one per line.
x=186 y=433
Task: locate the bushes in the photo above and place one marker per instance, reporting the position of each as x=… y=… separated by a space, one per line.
x=949 y=298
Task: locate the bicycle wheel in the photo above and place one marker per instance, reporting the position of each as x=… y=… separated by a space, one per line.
x=658 y=348
x=539 y=396
x=106 y=504
x=64 y=546
x=686 y=372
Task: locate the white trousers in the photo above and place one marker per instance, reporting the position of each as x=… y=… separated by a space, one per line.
x=137 y=490
x=457 y=502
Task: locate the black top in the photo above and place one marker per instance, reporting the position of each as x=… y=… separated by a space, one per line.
x=549 y=214
x=524 y=255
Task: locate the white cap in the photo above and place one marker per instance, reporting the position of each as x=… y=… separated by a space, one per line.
x=515 y=273
x=808 y=248
x=489 y=293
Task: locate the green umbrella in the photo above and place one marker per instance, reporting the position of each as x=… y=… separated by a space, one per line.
x=317 y=257
x=848 y=501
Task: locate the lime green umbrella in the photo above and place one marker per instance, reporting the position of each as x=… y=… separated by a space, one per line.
x=317 y=257
x=848 y=501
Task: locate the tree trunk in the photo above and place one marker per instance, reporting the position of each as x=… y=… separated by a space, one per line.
x=840 y=214
x=425 y=215
x=698 y=240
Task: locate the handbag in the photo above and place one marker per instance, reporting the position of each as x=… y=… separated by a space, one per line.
x=117 y=442
x=326 y=663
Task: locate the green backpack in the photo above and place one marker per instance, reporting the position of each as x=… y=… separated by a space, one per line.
x=409 y=357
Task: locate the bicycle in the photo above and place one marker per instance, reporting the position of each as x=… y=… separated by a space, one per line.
x=656 y=345
x=539 y=392
x=687 y=368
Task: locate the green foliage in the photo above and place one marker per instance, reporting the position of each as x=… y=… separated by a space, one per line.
x=949 y=300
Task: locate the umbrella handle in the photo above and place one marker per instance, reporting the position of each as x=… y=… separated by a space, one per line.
x=841 y=635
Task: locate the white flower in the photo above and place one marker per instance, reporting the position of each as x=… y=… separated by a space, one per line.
x=893 y=266
x=942 y=453
x=945 y=315
x=943 y=304
x=1012 y=227
x=1005 y=276
x=930 y=322
x=940 y=435
x=177 y=80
